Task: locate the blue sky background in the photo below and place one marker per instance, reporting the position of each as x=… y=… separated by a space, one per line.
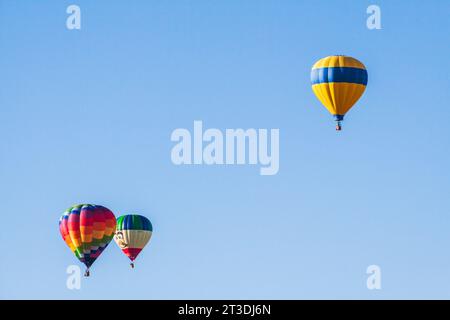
x=86 y=117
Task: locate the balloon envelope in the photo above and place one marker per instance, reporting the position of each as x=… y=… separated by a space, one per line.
x=87 y=229
x=133 y=232
x=338 y=82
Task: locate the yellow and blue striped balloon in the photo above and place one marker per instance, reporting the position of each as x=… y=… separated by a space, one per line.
x=338 y=82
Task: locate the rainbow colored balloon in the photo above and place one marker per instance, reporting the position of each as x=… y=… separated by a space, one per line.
x=133 y=232
x=87 y=229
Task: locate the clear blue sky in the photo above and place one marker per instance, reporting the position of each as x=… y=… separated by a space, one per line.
x=86 y=117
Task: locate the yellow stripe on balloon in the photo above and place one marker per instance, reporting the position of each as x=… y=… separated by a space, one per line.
x=338 y=61
x=338 y=97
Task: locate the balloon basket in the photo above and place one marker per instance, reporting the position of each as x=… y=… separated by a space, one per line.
x=132 y=265
x=87 y=273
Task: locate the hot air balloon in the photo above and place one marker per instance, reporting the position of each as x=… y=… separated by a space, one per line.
x=133 y=232
x=338 y=82
x=87 y=229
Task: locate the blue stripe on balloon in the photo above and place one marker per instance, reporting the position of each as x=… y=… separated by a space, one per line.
x=130 y=222
x=142 y=223
x=146 y=224
x=339 y=74
x=127 y=223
